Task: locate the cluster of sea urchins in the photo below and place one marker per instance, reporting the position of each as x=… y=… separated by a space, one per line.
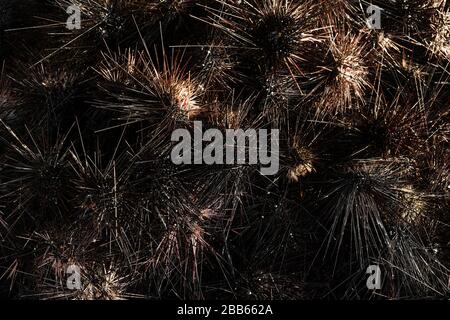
x=87 y=184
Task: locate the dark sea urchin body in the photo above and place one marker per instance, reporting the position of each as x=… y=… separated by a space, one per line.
x=87 y=182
